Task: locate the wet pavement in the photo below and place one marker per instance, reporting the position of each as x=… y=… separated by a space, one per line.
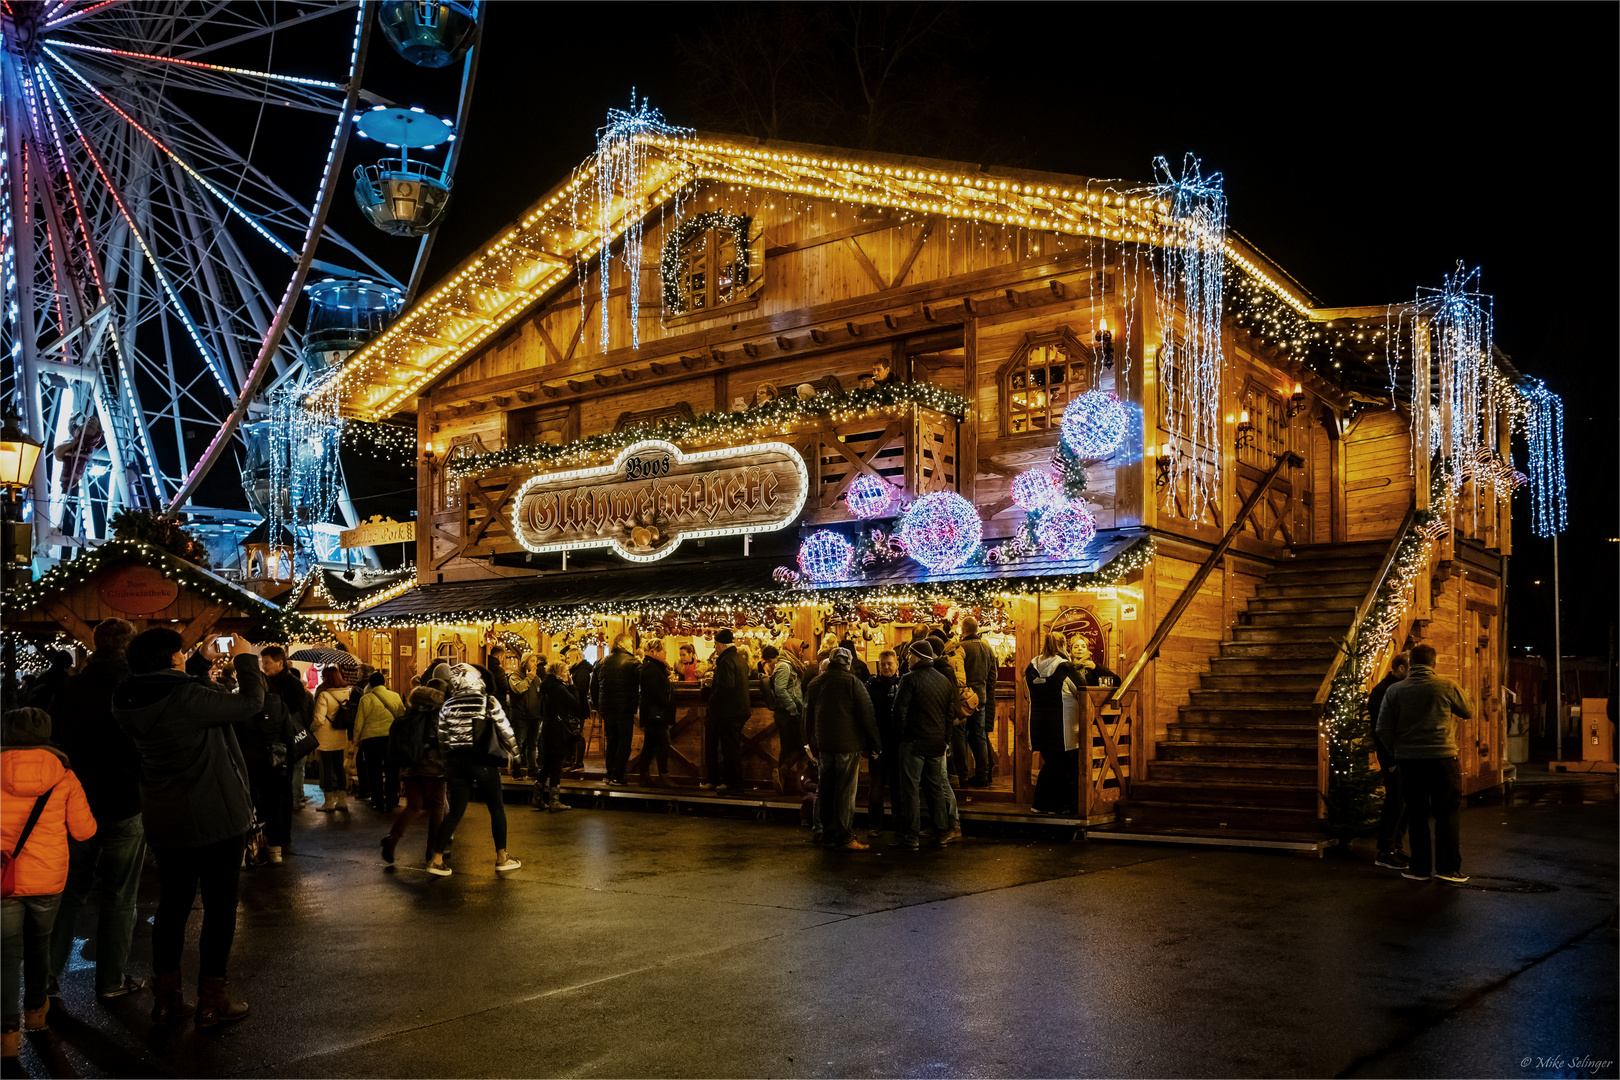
x=639 y=943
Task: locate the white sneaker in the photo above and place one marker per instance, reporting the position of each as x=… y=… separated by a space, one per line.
x=275 y=856
x=438 y=871
x=509 y=864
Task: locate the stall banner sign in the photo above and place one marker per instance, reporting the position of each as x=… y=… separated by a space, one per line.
x=654 y=495
x=378 y=531
x=137 y=590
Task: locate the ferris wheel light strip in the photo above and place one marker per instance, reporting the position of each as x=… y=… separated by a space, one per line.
x=79 y=13
x=134 y=230
x=270 y=75
x=176 y=158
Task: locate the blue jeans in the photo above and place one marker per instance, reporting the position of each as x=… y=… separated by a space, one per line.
x=25 y=947
x=978 y=736
x=834 y=808
x=920 y=773
x=110 y=863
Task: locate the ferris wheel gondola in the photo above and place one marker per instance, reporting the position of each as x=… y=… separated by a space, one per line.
x=171 y=185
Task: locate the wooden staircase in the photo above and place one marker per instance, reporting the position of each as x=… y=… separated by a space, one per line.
x=1241 y=760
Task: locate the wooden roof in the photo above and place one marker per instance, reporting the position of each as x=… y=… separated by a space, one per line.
x=537 y=253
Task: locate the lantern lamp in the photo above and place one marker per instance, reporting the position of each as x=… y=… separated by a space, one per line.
x=19 y=455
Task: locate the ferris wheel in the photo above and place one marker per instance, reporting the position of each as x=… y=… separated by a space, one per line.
x=174 y=182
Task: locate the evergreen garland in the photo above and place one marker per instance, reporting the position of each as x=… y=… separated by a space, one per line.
x=166 y=533
x=671 y=266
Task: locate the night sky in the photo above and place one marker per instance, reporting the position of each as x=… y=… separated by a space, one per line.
x=1367 y=149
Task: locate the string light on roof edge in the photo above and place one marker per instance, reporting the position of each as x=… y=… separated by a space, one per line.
x=1544 y=431
x=1188 y=271
x=1094 y=423
x=941 y=530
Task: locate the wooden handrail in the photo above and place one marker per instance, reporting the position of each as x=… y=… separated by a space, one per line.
x=1151 y=650
x=1349 y=643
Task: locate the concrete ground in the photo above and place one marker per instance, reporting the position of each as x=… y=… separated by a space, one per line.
x=645 y=944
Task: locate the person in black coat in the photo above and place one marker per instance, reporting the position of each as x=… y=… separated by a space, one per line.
x=579 y=676
x=657 y=712
x=841 y=727
x=559 y=734
x=728 y=711
x=1392 y=819
x=925 y=705
x=1057 y=788
x=616 y=694
x=109 y=767
x=883 y=770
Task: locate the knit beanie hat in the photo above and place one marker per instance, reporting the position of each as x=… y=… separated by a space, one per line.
x=923 y=648
x=842 y=658
x=26 y=727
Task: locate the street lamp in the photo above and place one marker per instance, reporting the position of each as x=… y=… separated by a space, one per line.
x=19 y=456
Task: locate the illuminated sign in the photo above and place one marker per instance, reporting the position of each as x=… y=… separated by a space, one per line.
x=137 y=590
x=379 y=531
x=654 y=495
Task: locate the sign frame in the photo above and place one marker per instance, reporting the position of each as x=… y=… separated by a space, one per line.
x=615 y=470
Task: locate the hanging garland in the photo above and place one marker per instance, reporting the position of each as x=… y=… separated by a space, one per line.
x=773 y=418
x=671 y=266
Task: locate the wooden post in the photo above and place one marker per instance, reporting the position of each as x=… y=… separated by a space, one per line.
x=1134 y=479
x=967 y=441
x=1027 y=626
x=425 y=466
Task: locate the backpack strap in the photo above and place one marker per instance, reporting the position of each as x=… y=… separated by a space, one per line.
x=33 y=819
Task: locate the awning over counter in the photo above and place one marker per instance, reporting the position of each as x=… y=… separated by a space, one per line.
x=746 y=582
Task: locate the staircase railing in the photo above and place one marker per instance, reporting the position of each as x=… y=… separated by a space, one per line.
x=1347 y=648
x=1179 y=608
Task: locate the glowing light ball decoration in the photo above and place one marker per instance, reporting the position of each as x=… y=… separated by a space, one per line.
x=1065 y=529
x=868 y=496
x=825 y=556
x=1094 y=423
x=941 y=531
x=1036 y=489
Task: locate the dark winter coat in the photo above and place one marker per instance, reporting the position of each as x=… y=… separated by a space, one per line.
x=421 y=715
x=580 y=673
x=657 y=696
x=616 y=684
x=1375 y=702
x=103 y=755
x=561 y=705
x=500 y=687
x=1045 y=677
x=979 y=666
x=924 y=703
x=729 y=697
x=1416 y=720
x=194 y=783
x=838 y=714
x=881 y=689
x=300 y=703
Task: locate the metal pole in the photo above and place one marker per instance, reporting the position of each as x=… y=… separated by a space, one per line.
x=1558 y=664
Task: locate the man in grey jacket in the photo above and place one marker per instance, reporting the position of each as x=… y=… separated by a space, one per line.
x=1415 y=723
x=842 y=727
x=196 y=806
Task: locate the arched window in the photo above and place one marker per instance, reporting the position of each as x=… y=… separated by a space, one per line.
x=705 y=263
x=1046 y=372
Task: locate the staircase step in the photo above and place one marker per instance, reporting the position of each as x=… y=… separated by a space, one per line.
x=1256 y=752
x=1284 y=635
x=1299 y=796
x=1268 y=666
x=1202 y=773
x=1322 y=590
x=1253 y=698
x=1270 y=683
x=1197 y=819
x=1272 y=650
x=1311 y=575
x=1239 y=734
x=1342 y=561
x=1297 y=618
x=1346 y=603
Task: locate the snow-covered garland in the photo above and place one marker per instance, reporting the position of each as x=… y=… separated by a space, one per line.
x=671 y=265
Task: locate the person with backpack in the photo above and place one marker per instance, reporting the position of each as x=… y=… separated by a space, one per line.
x=477 y=740
x=560 y=732
x=109 y=864
x=527 y=712
x=334 y=719
x=43 y=805
x=379 y=708
x=413 y=749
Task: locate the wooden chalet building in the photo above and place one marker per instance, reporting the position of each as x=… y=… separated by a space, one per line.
x=927 y=323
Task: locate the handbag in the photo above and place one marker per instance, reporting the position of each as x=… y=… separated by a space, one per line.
x=301 y=742
x=487 y=738
x=8 y=860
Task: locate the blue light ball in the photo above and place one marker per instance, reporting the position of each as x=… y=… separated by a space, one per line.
x=1036 y=489
x=1064 y=530
x=941 y=531
x=825 y=556
x=1094 y=423
x=868 y=496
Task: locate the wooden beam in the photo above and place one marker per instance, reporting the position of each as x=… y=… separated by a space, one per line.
x=911 y=256
x=866 y=264
x=878 y=225
x=198 y=628
x=71 y=622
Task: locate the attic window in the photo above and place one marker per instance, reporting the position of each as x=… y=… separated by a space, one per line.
x=1045 y=373
x=705 y=263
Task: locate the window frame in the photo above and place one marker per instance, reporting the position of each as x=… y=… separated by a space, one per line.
x=1079 y=355
x=711 y=231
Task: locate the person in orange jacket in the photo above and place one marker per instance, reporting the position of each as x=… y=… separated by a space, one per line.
x=33 y=773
